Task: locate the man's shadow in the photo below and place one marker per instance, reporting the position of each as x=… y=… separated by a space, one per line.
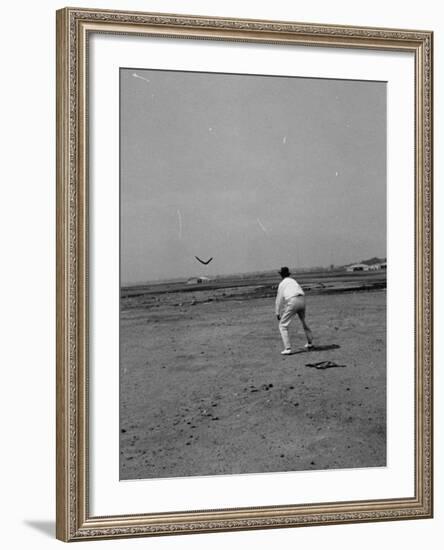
x=327 y=347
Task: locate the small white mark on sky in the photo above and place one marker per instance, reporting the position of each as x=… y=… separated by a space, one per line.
x=284 y=140
x=336 y=174
x=141 y=77
x=210 y=129
x=179 y=217
x=261 y=225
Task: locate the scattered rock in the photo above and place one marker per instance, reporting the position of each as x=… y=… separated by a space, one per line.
x=324 y=365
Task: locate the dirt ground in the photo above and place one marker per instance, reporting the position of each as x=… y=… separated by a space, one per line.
x=205 y=391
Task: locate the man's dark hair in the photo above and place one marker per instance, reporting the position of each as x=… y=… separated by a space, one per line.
x=284 y=272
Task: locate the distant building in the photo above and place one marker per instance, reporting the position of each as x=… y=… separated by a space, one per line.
x=197 y=280
x=357 y=267
x=372 y=264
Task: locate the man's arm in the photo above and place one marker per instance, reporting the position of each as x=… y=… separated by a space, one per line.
x=278 y=301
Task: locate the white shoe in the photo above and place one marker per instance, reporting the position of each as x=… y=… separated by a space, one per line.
x=286 y=352
x=309 y=346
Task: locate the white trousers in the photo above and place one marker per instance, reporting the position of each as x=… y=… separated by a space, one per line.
x=292 y=307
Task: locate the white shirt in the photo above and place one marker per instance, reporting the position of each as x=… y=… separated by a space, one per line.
x=288 y=288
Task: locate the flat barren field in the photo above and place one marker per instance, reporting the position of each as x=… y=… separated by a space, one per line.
x=205 y=391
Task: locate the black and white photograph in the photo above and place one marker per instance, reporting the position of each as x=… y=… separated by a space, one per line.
x=253 y=263
x=220 y=318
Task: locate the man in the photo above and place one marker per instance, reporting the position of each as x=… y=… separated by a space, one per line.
x=290 y=300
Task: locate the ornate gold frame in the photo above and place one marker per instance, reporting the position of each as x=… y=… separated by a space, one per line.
x=73 y=519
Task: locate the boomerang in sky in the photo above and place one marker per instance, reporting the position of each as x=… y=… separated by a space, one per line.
x=203 y=261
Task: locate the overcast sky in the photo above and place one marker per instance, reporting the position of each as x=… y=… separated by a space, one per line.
x=256 y=171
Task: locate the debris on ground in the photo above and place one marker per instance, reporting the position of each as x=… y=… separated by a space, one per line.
x=253 y=389
x=324 y=365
